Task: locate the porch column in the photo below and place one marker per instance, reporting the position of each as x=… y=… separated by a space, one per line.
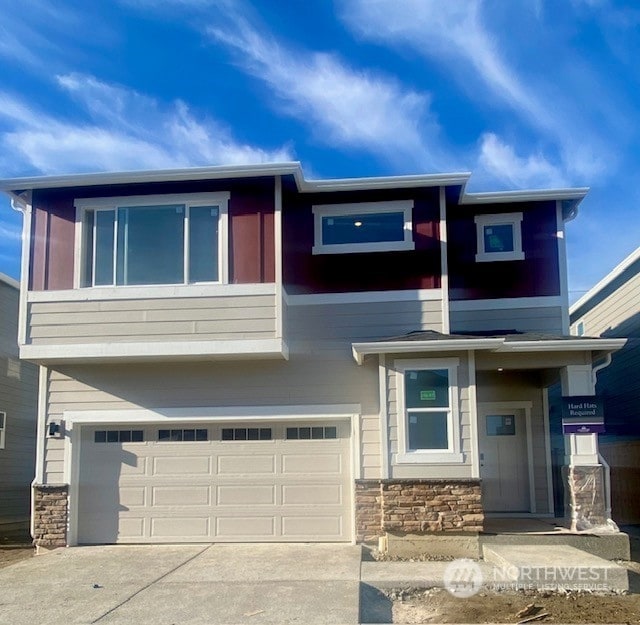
x=584 y=474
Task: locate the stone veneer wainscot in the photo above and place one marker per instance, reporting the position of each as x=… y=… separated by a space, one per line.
x=414 y=506
x=50 y=516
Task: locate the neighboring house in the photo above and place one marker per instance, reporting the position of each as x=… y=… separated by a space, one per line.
x=240 y=354
x=18 y=410
x=612 y=309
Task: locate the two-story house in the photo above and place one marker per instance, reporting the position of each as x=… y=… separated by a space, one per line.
x=18 y=401
x=240 y=354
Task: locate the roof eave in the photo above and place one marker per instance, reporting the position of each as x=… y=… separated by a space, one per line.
x=360 y=350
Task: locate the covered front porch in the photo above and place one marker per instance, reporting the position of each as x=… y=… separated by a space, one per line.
x=504 y=431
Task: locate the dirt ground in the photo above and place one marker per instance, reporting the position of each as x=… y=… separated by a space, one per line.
x=436 y=605
x=11 y=555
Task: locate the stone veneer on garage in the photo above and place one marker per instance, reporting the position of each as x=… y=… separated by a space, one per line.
x=50 y=516
x=413 y=506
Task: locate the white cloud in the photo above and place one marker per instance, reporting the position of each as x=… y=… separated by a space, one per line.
x=343 y=106
x=453 y=34
x=9 y=232
x=127 y=131
x=501 y=162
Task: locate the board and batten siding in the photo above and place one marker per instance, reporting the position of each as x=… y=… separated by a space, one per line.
x=320 y=371
x=453 y=470
x=152 y=319
x=18 y=400
x=547 y=319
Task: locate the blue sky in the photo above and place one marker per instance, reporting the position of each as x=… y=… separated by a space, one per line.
x=524 y=94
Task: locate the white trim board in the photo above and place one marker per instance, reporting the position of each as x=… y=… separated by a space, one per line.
x=168 y=291
x=364 y=297
x=506 y=303
x=266 y=348
x=214 y=413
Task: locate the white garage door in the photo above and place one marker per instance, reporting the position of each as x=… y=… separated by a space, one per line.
x=203 y=482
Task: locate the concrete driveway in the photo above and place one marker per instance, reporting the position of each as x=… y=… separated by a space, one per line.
x=176 y=584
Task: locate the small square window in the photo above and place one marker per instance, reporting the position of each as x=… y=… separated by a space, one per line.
x=252 y=434
x=202 y=435
x=499 y=237
x=304 y=433
x=292 y=434
x=227 y=434
x=164 y=435
x=428 y=430
x=317 y=432
x=112 y=436
x=137 y=436
x=125 y=436
x=330 y=432
x=189 y=435
x=501 y=425
x=240 y=434
x=100 y=436
x=265 y=434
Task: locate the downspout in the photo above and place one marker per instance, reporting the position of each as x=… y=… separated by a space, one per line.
x=22 y=204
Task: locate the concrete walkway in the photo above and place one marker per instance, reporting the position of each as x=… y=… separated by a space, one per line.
x=180 y=584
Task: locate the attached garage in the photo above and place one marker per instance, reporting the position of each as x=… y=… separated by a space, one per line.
x=215 y=482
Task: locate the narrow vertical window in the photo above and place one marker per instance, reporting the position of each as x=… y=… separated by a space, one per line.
x=203 y=243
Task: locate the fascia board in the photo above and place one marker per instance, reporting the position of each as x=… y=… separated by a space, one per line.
x=384 y=182
x=161 y=175
x=9 y=281
x=610 y=277
x=563 y=345
x=360 y=350
x=535 y=195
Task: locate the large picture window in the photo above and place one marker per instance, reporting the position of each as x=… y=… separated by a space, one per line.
x=428 y=411
x=363 y=227
x=153 y=240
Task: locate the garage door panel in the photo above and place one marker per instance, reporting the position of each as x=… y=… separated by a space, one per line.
x=246 y=495
x=182 y=465
x=132 y=496
x=247 y=528
x=312 y=463
x=133 y=527
x=181 y=495
x=177 y=527
x=305 y=494
x=214 y=490
x=247 y=465
x=309 y=526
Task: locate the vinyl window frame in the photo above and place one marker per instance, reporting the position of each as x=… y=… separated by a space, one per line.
x=453 y=454
x=321 y=211
x=499 y=219
x=82 y=205
x=3 y=428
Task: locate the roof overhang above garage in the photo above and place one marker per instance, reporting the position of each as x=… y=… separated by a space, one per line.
x=507 y=343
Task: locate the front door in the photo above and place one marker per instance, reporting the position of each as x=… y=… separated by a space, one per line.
x=504 y=462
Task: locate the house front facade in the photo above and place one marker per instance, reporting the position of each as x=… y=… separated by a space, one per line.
x=240 y=354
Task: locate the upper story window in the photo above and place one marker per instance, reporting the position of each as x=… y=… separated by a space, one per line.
x=428 y=413
x=499 y=237
x=145 y=240
x=363 y=227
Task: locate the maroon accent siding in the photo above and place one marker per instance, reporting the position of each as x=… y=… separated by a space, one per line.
x=251 y=236
x=251 y=227
x=53 y=245
x=374 y=271
x=537 y=275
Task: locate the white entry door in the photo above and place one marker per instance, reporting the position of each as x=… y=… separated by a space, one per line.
x=504 y=461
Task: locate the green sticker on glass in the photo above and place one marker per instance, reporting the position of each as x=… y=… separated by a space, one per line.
x=427 y=395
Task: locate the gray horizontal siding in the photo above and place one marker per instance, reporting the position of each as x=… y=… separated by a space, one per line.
x=617 y=315
x=536 y=319
x=178 y=319
x=18 y=399
x=320 y=370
